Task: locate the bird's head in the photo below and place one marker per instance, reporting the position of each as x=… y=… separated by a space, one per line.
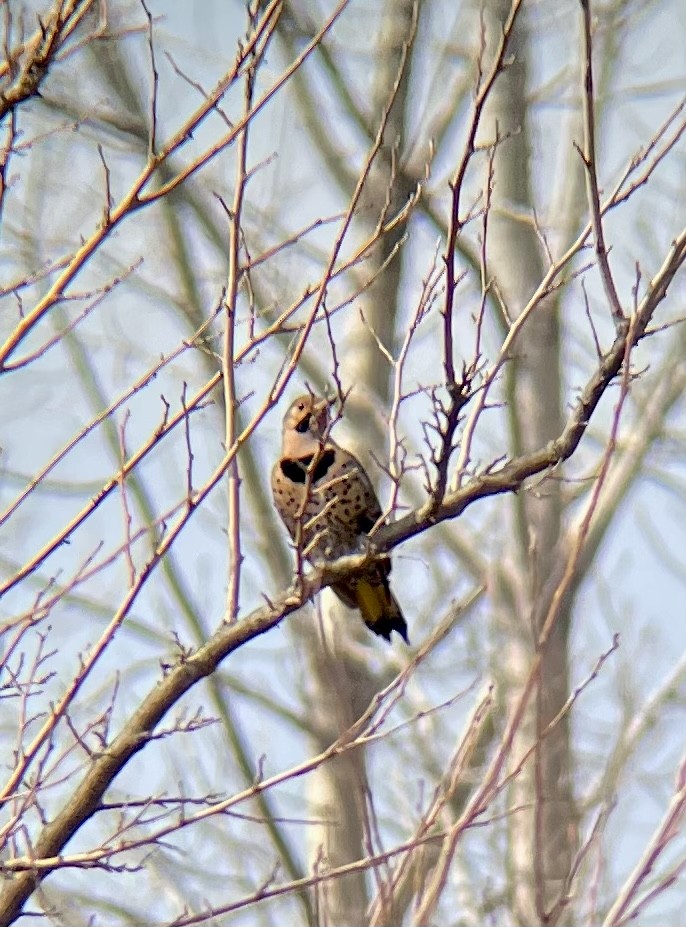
x=305 y=425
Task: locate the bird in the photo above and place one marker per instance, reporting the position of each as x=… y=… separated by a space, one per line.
x=328 y=504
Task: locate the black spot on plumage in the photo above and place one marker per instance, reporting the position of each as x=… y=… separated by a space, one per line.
x=323 y=465
x=304 y=423
x=296 y=470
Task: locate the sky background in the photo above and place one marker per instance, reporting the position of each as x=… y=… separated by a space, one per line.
x=56 y=195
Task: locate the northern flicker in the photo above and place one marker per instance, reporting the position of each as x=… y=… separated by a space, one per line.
x=328 y=504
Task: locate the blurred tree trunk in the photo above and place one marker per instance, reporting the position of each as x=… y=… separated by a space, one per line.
x=342 y=684
x=542 y=827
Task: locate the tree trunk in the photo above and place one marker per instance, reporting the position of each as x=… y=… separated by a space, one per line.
x=343 y=685
x=543 y=825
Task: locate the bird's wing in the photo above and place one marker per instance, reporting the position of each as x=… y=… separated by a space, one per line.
x=360 y=490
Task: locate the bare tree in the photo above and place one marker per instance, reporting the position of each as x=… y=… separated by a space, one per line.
x=465 y=226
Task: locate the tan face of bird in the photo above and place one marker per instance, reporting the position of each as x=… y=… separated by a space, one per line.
x=305 y=426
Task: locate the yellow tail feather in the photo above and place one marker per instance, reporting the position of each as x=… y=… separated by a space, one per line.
x=372 y=602
x=380 y=611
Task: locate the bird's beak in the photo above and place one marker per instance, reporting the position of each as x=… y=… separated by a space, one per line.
x=320 y=411
x=323 y=404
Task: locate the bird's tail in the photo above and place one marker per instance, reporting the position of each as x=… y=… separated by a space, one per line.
x=380 y=610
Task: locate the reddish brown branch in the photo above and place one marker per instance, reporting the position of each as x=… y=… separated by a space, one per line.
x=589 y=158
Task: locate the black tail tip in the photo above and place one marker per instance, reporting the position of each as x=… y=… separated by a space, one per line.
x=385 y=625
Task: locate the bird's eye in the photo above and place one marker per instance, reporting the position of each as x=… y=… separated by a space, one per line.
x=303 y=424
x=301 y=406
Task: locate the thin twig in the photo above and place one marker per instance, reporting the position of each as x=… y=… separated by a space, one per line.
x=589 y=159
